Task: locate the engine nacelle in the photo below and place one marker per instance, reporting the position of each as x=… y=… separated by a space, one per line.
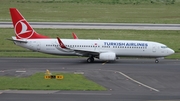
x=107 y=56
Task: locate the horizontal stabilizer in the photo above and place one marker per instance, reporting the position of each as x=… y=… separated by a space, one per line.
x=22 y=41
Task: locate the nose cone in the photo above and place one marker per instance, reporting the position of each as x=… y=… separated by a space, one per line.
x=170 y=51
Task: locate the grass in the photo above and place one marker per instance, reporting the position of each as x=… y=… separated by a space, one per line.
x=117 y=11
x=37 y=82
x=170 y=38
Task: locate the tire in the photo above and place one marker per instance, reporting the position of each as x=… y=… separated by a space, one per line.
x=156 y=61
x=90 y=60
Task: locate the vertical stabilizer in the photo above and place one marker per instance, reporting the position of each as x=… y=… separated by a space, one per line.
x=22 y=28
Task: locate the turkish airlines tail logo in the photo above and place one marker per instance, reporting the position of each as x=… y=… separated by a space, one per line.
x=22 y=28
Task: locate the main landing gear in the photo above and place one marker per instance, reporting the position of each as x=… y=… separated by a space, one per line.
x=90 y=59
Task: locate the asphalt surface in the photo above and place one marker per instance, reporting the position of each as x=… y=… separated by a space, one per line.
x=125 y=79
x=66 y=25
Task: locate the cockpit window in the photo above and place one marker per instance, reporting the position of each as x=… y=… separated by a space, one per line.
x=163 y=46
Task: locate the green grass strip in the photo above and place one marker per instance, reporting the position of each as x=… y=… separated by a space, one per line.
x=117 y=11
x=37 y=82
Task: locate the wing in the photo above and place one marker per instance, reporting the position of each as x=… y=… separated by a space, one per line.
x=86 y=52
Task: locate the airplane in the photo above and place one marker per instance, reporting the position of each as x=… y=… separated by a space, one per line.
x=105 y=50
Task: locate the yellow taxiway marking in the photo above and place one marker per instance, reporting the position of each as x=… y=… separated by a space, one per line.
x=104 y=63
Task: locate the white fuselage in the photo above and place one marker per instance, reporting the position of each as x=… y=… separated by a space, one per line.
x=121 y=48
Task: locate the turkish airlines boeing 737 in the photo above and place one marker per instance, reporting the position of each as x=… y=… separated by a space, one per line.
x=106 y=50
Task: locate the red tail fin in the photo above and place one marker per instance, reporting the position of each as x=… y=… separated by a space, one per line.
x=22 y=28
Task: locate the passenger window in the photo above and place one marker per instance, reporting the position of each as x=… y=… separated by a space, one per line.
x=163 y=46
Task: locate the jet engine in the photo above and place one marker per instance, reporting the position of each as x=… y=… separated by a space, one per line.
x=107 y=56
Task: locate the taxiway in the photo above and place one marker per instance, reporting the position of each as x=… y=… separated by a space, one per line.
x=125 y=79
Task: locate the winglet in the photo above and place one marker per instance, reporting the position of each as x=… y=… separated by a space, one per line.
x=74 y=36
x=61 y=43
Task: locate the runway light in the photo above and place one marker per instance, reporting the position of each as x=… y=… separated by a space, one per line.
x=48 y=72
x=48 y=75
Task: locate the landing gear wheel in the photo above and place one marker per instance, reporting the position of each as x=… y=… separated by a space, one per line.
x=90 y=60
x=156 y=61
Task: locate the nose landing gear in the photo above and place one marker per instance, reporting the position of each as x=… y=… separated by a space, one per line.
x=156 y=61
